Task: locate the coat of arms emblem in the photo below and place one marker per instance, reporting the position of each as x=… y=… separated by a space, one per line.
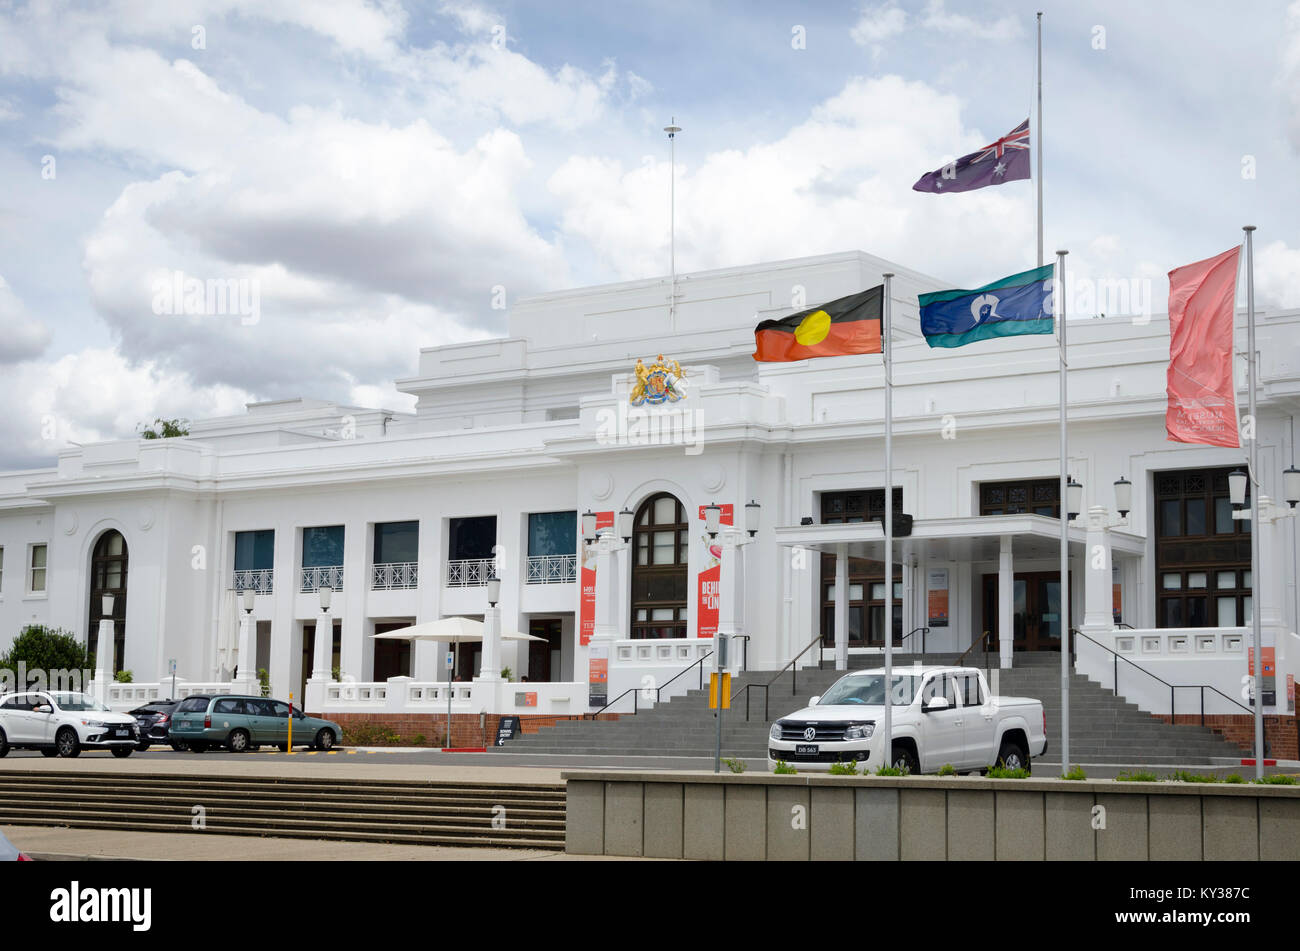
x=660 y=382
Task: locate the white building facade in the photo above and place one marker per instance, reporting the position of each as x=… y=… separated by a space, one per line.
x=405 y=515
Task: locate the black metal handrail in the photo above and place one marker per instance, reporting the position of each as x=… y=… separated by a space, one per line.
x=794 y=673
x=983 y=639
x=1172 y=687
x=657 y=690
x=921 y=630
x=744 y=654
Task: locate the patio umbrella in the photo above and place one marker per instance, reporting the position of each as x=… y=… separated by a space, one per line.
x=454 y=630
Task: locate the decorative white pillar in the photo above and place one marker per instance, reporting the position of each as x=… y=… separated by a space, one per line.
x=323 y=651
x=842 y=608
x=246 y=680
x=104 y=644
x=729 y=603
x=1098 y=581
x=1006 y=604
x=490 y=663
x=607 y=627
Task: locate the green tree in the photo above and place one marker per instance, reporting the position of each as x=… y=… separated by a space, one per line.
x=43 y=648
x=165 y=429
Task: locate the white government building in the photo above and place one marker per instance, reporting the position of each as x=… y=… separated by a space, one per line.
x=404 y=516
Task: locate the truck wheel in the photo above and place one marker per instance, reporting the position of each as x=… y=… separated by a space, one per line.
x=904 y=760
x=1013 y=756
x=4 y=745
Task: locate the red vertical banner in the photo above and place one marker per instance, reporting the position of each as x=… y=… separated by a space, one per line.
x=709 y=581
x=1202 y=395
x=587 y=582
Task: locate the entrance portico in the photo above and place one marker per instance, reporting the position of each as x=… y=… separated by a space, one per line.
x=946 y=561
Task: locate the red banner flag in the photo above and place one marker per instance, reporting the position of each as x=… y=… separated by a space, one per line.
x=1202 y=395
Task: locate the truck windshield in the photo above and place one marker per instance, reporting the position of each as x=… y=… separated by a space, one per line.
x=870 y=689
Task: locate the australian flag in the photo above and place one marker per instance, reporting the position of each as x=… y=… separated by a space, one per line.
x=1006 y=160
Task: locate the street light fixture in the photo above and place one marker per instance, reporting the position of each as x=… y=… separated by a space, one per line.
x=752 y=511
x=625 y=524
x=1074 y=495
x=1291 y=485
x=494 y=590
x=712 y=515
x=325 y=595
x=106 y=603
x=1123 y=496
x=589 y=526
x=247 y=599
x=1237 y=488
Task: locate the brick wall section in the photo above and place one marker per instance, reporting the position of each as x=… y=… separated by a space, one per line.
x=465 y=727
x=1239 y=728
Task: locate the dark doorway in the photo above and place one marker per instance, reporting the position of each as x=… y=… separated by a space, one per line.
x=540 y=652
x=1035 y=610
x=309 y=653
x=392 y=658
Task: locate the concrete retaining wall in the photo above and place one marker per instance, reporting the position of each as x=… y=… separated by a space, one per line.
x=689 y=815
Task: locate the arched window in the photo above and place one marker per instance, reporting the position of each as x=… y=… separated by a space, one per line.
x=660 y=541
x=108 y=576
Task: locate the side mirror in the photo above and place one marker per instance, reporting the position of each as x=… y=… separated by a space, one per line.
x=813 y=701
x=935 y=704
x=43 y=708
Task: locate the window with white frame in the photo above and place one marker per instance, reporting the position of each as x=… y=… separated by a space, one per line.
x=36 y=573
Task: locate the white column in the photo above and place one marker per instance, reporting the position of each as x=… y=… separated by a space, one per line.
x=1098 y=591
x=103 y=660
x=356 y=654
x=729 y=593
x=842 y=608
x=1268 y=587
x=490 y=664
x=909 y=572
x=1006 y=603
x=323 y=649
x=606 y=578
x=246 y=681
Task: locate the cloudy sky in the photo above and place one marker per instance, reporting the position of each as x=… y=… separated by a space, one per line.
x=376 y=168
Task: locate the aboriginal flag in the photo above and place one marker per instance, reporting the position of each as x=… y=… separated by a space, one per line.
x=848 y=325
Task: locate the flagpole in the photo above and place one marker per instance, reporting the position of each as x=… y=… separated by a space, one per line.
x=886 y=346
x=1040 y=138
x=672 y=129
x=1254 y=505
x=1063 y=615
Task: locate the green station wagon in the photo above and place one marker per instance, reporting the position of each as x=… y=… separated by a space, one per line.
x=241 y=723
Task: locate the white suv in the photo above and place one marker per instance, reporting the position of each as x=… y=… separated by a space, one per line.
x=63 y=724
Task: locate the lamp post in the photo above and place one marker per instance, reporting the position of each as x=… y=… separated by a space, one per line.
x=245 y=672
x=104 y=649
x=1260 y=512
x=324 y=650
x=733 y=539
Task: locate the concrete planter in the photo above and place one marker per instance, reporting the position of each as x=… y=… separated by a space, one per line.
x=699 y=815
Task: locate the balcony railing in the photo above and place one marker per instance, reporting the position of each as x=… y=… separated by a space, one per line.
x=260 y=580
x=396 y=574
x=329 y=576
x=468 y=572
x=552 y=569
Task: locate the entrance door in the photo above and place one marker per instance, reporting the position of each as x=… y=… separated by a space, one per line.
x=1035 y=610
x=540 y=652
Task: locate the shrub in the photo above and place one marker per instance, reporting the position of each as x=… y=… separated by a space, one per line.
x=947 y=769
x=1183 y=776
x=736 y=765
x=844 y=769
x=890 y=771
x=1001 y=772
x=1076 y=773
x=1138 y=777
x=124 y=677
x=264 y=679
x=506 y=674
x=1233 y=778
x=418 y=739
x=784 y=769
x=1276 y=780
x=43 y=648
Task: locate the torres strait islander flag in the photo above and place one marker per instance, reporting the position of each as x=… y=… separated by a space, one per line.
x=1015 y=305
x=844 y=326
x=1006 y=160
x=1202 y=395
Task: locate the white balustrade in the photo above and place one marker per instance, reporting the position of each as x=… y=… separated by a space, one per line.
x=260 y=580
x=469 y=572
x=397 y=574
x=552 y=569
x=329 y=576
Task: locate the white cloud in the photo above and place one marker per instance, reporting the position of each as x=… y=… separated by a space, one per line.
x=8 y=110
x=1290 y=72
x=877 y=24
x=938 y=18
x=841 y=179
x=1277 y=276
x=22 y=336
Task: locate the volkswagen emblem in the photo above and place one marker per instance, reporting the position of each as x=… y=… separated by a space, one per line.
x=810 y=734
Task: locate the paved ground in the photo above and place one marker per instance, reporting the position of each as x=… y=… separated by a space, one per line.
x=42 y=842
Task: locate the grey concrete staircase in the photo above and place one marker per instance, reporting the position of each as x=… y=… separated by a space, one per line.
x=418 y=813
x=1104 y=728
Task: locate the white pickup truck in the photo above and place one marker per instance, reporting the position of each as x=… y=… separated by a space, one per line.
x=940 y=716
